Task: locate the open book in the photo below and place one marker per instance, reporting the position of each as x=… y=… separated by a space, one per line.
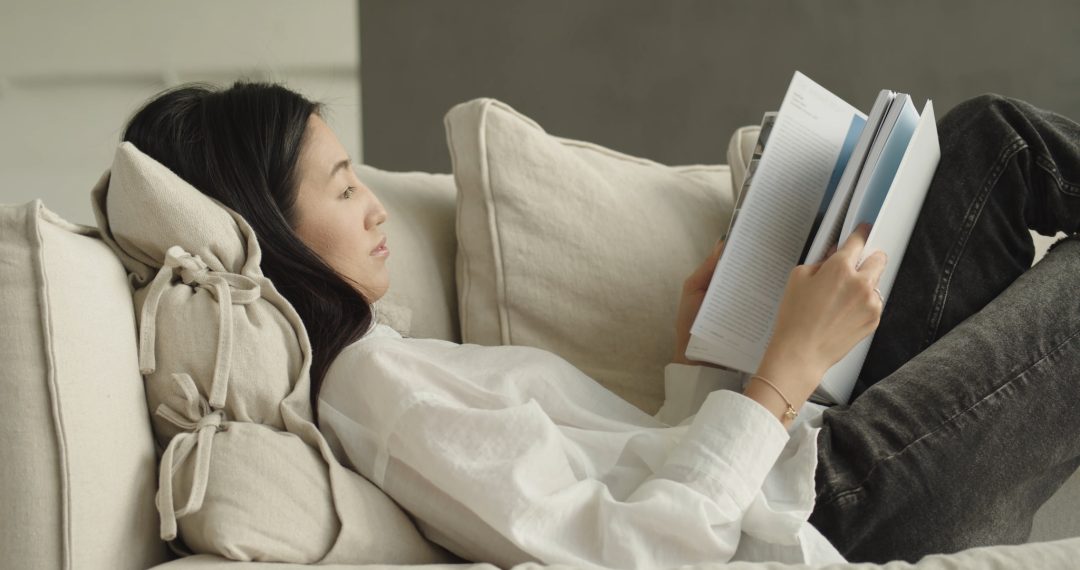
x=826 y=168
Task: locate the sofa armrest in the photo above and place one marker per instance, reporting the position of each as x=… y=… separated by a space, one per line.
x=740 y=149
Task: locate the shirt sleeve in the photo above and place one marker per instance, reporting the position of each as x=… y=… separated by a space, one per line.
x=788 y=493
x=542 y=487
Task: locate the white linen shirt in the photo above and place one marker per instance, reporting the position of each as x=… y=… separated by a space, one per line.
x=508 y=454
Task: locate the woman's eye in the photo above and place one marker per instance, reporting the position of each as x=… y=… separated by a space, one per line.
x=349 y=191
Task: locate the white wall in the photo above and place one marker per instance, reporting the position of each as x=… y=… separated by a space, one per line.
x=72 y=72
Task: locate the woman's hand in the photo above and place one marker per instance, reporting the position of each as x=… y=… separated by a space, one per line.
x=829 y=306
x=693 y=292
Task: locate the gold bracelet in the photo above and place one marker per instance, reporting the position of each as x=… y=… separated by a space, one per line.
x=790 y=413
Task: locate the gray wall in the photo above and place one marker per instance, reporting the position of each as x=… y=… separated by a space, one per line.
x=670 y=80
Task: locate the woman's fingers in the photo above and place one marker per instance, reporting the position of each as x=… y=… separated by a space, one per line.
x=701 y=276
x=871 y=269
x=718 y=248
x=873 y=266
x=851 y=248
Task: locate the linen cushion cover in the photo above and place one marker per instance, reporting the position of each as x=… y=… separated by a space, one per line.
x=575 y=248
x=740 y=149
x=244 y=471
x=76 y=454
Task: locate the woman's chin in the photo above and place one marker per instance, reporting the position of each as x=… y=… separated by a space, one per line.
x=380 y=292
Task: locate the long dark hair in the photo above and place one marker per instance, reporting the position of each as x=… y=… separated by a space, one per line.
x=240 y=145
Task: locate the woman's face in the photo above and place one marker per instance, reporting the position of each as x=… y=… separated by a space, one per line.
x=338 y=216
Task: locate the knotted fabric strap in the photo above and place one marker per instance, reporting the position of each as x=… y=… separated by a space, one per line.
x=202 y=423
x=227 y=289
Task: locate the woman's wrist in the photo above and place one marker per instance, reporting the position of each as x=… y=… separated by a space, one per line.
x=768 y=398
x=793 y=379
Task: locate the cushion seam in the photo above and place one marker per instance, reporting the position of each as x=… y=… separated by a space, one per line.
x=33 y=225
x=501 y=297
x=599 y=149
x=463 y=294
x=632 y=159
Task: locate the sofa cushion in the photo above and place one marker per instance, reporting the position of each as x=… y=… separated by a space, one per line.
x=244 y=471
x=740 y=149
x=420 y=232
x=76 y=454
x=574 y=248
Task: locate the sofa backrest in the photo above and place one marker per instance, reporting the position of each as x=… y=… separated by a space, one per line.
x=420 y=232
x=77 y=460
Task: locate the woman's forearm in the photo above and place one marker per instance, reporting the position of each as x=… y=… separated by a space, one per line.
x=795 y=376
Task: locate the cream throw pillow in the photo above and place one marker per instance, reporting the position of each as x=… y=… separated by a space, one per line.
x=77 y=478
x=574 y=248
x=244 y=471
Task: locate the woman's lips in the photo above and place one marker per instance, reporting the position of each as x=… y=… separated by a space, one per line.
x=381 y=250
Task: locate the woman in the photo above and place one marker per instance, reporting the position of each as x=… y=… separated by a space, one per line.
x=506 y=454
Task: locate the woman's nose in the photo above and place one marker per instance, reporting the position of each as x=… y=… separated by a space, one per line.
x=378 y=215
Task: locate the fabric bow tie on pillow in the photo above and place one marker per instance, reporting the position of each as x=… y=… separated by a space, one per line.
x=226 y=361
x=226 y=288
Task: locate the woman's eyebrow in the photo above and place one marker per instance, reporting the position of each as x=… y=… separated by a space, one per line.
x=342 y=164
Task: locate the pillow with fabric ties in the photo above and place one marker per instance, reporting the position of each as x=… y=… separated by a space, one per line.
x=244 y=472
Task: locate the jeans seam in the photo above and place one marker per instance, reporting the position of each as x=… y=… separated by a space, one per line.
x=938 y=306
x=1050 y=168
x=859 y=487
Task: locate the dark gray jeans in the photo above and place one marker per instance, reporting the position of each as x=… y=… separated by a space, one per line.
x=965 y=417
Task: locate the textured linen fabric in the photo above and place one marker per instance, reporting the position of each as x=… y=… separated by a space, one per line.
x=508 y=454
x=244 y=471
x=740 y=149
x=76 y=453
x=575 y=248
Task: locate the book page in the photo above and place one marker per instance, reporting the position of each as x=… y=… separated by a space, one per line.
x=737 y=314
x=890 y=234
x=828 y=234
x=857 y=126
x=865 y=205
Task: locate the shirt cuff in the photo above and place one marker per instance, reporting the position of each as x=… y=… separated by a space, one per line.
x=788 y=493
x=729 y=448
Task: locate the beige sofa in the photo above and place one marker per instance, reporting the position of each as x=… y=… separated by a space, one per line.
x=77 y=461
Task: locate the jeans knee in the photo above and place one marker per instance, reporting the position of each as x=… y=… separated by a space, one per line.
x=985 y=101
x=983 y=119
x=979 y=105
